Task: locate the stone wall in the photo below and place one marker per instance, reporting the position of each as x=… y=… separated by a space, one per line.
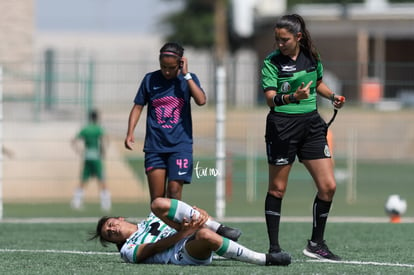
x=16 y=47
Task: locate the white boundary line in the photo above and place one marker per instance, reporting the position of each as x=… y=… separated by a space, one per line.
x=5 y=250
x=363 y=263
x=215 y=257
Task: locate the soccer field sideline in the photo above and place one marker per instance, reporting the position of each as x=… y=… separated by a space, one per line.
x=55 y=251
x=353 y=219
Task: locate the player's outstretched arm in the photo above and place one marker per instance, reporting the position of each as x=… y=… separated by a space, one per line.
x=132 y=123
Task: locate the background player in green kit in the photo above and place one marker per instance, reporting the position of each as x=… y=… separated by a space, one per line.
x=291 y=81
x=93 y=140
x=176 y=233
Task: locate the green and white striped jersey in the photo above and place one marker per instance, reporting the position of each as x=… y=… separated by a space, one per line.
x=150 y=230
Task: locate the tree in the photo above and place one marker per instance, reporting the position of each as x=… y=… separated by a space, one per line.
x=193 y=25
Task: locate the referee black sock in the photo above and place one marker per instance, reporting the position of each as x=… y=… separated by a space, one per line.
x=273 y=207
x=320 y=213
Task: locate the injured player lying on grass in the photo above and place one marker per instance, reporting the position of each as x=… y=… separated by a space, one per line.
x=176 y=233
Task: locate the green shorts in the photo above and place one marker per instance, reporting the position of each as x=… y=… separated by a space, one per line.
x=92 y=168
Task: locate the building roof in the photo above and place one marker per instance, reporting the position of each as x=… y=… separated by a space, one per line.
x=391 y=20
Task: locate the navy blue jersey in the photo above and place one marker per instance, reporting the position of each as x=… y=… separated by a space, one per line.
x=169 y=123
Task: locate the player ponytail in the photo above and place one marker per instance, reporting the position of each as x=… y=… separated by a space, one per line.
x=97 y=234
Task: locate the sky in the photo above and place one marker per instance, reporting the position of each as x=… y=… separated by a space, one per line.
x=120 y=16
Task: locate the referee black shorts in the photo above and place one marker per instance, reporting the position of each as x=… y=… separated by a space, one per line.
x=291 y=135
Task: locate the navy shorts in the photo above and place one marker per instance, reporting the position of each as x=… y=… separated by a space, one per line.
x=179 y=165
x=302 y=135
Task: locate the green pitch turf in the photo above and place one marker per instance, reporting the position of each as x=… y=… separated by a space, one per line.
x=62 y=248
x=49 y=247
x=374 y=183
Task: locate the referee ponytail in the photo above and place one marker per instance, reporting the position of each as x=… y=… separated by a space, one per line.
x=294 y=23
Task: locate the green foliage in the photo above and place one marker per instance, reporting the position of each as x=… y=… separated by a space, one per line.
x=198 y=35
x=194 y=25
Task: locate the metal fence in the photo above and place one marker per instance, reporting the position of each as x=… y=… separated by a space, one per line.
x=44 y=107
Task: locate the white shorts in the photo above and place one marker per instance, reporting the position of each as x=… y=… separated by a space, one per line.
x=181 y=256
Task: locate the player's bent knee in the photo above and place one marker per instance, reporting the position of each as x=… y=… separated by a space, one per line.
x=327 y=193
x=331 y=189
x=205 y=234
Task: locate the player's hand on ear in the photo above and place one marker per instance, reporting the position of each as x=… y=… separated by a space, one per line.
x=184 y=65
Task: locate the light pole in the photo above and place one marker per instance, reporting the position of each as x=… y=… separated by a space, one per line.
x=221 y=46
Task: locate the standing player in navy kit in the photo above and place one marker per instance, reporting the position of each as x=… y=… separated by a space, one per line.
x=291 y=81
x=169 y=136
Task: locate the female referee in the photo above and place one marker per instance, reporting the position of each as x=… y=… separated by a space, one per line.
x=291 y=80
x=168 y=143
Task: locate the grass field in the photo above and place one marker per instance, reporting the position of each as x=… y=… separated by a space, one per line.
x=375 y=182
x=62 y=248
x=51 y=238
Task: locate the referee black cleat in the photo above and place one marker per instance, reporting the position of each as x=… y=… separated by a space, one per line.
x=280 y=258
x=229 y=232
x=320 y=251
